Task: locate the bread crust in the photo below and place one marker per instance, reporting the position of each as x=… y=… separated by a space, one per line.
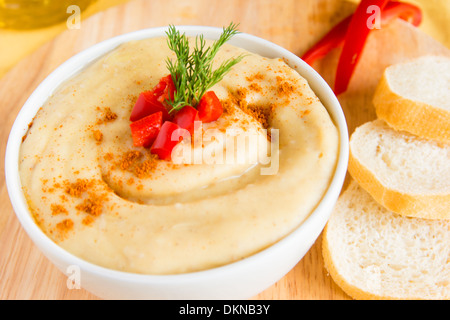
x=416 y=117
x=331 y=253
x=353 y=291
x=418 y=206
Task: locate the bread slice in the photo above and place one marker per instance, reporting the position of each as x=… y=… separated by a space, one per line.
x=372 y=253
x=406 y=174
x=415 y=96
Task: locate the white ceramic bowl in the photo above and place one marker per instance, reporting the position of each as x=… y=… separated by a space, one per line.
x=240 y=280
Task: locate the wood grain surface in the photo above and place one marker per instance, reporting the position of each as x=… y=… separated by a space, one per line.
x=26 y=274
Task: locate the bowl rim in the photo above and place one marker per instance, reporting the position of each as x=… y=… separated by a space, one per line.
x=77 y=62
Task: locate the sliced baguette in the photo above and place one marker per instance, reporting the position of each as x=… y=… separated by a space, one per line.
x=415 y=96
x=406 y=174
x=372 y=253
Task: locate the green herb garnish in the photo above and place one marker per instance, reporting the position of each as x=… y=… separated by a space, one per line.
x=192 y=73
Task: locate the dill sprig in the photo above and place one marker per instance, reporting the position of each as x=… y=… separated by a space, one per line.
x=192 y=72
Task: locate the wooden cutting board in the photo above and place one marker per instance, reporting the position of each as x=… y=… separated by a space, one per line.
x=26 y=274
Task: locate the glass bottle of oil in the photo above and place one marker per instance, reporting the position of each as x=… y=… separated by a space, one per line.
x=33 y=14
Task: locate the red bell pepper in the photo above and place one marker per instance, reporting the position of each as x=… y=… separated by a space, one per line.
x=154 y=100
x=186 y=117
x=333 y=39
x=338 y=35
x=356 y=35
x=402 y=10
x=165 y=89
x=151 y=125
x=209 y=107
x=147 y=104
x=164 y=144
x=145 y=130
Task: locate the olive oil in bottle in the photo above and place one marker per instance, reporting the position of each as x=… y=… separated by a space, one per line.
x=34 y=14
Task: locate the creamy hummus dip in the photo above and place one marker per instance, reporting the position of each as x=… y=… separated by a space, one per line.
x=115 y=205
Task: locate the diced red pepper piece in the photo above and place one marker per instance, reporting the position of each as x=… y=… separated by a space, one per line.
x=165 y=89
x=145 y=130
x=209 y=107
x=186 y=117
x=357 y=34
x=163 y=144
x=147 y=104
